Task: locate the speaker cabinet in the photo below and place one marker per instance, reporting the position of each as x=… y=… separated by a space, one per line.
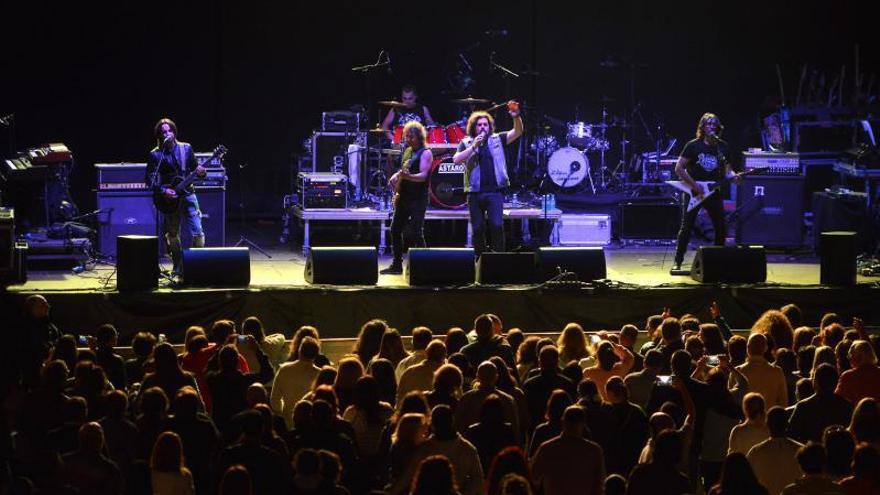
x=217 y=267
x=841 y=213
x=122 y=214
x=649 y=221
x=137 y=262
x=212 y=203
x=506 y=268
x=588 y=263
x=730 y=264
x=770 y=211
x=837 y=255
x=440 y=266
x=342 y=266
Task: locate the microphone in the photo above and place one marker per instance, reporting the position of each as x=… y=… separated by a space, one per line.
x=714 y=136
x=388 y=61
x=464 y=60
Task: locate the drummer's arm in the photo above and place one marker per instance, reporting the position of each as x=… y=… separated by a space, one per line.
x=428 y=117
x=386 y=124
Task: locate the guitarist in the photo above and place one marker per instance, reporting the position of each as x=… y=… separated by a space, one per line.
x=703 y=159
x=171 y=159
x=410 y=184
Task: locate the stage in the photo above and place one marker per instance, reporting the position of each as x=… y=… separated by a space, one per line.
x=640 y=286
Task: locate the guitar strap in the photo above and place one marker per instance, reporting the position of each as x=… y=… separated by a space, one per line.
x=181 y=158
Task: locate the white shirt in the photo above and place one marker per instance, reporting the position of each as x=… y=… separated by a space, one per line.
x=774 y=463
x=292 y=381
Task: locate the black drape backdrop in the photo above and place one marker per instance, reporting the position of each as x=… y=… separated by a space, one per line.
x=256 y=75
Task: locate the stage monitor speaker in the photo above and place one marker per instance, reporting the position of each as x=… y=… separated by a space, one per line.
x=770 y=211
x=506 y=268
x=124 y=213
x=342 y=266
x=137 y=262
x=588 y=263
x=212 y=203
x=649 y=220
x=217 y=267
x=730 y=264
x=837 y=255
x=440 y=266
x=841 y=213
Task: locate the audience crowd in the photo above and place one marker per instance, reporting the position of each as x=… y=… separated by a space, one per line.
x=788 y=409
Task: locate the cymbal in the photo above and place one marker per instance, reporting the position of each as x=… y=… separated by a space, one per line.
x=471 y=101
x=377 y=130
x=391 y=103
x=605 y=99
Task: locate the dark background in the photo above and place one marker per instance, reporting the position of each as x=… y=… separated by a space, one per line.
x=255 y=76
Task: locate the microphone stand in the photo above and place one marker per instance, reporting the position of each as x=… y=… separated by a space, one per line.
x=241 y=209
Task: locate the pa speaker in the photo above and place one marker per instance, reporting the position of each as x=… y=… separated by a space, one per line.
x=122 y=214
x=771 y=211
x=588 y=263
x=342 y=266
x=837 y=254
x=137 y=262
x=506 y=268
x=217 y=267
x=733 y=264
x=440 y=266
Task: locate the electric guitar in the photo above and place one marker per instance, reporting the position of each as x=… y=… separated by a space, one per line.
x=708 y=188
x=168 y=205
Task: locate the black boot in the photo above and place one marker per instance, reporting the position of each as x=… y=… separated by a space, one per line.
x=395 y=268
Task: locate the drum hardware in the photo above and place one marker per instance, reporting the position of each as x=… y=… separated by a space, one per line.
x=471 y=101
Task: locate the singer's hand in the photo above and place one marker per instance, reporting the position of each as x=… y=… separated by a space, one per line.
x=478 y=141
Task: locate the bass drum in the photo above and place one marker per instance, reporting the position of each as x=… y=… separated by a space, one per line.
x=567 y=167
x=446 y=184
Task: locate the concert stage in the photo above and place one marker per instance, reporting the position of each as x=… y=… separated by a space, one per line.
x=279 y=295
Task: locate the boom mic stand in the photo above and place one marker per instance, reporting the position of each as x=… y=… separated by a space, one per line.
x=242 y=240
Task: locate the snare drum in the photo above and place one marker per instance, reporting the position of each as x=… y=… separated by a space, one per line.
x=398 y=135
x=580 y=134
x=436 y=135
x=454 y=133
x=567 y=167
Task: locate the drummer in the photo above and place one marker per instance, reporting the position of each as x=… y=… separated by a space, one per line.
x=409 y=111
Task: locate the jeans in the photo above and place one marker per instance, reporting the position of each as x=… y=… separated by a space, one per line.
x=408 y=222
x=714 y=206
x=487 y=207
x=188 y=211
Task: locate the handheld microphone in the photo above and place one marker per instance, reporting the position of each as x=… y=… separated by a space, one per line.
x=388 y=60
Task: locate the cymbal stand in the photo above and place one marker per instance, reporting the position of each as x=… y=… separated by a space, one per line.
x=602 y=142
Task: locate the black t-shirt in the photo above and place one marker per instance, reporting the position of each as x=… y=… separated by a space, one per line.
x=706 y=162
x=415 y=114
x=488 y=183
x=408 y=188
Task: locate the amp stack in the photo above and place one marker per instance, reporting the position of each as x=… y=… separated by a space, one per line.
x=770 y=206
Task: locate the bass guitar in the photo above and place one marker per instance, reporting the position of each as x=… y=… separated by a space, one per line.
x=708 y=188
x=169 y=204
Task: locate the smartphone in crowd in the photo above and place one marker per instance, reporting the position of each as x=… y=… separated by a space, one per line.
x=713 y=360
x=664 y=379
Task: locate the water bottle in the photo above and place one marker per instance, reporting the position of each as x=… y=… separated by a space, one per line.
x=552 y=202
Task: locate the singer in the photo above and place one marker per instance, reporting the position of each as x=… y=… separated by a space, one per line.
x=169 y=160
x=482 y=152
x=704 y=158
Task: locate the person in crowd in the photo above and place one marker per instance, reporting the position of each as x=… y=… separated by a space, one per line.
x=660 y=476
x=369 y=339
x=446 y=388
x=421 y=376
x=510 y=461
x=601 y=424
x=391 y=348
x=198 y=435
x=120 y=433
x=539 y=387
x=863 y=380
x=468 y=410
x=270 y=472
x=456 y=340
x=507 y=383
x=293 y=379
x=753 y=430
x=824 y=408
x=527 y=357
x=410 y=433
x=556 y=459
x=764 y=377
x=774 y=460
x=347 y=374
x=628 y=336
x=488 y=344
x=572 y=344
x=737 y=350
x=114 y=366
x=811 y=459
x=723 y=413
x=383 y=371
x=168 y=473
x=421 y=337
x=839 y=447
x=670 y=340
x=865 y=422
x=737 y=478
x=865 y=478
x=492 y=432
x=435 y=476
x=272 y=345
x=776 y=328
x=87 y=469
x=229 y=385
x=640 y=383
x=136 y=367
x=368 y=417
x=612 y=360
x=36 y=339
x=301 y=333
x=632 y=427
x=168 y=374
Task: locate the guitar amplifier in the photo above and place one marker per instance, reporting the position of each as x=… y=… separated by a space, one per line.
x=342 y=121
x=121 y=176
x=778 y=163
x=322 y=190
x=330 y=150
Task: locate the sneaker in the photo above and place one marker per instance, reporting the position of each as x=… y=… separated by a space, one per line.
x=395 y=268
x=676 y=268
